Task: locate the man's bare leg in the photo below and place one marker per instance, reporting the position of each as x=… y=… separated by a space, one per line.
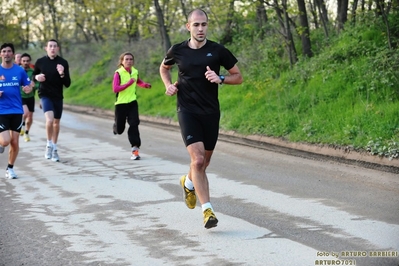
x=56 y=130
x=49 y=115
x=197 y=174
x=200 y=160
x=14 y=147
x=12 y=154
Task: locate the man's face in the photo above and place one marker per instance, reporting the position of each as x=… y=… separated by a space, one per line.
x=198 y=26
x=25 y=62
x=17 y=59
x=52 y=49
x=7 y=55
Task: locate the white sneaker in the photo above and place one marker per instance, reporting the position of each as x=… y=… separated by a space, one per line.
x=49 y=151
x=135 y=155
x=54 y=156
x=1 y=149
x=10 y=174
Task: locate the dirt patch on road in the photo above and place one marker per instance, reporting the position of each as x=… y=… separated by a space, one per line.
x=317 y=152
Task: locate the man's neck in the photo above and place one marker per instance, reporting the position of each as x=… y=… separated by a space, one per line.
x=7 y=64
x=194 y=44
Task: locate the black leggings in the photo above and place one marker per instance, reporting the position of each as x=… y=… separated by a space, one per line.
x=128 y=112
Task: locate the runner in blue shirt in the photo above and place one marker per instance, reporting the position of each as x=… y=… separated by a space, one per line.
x=12 y=77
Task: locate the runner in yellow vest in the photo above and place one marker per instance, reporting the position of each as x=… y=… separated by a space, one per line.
x=126 y=78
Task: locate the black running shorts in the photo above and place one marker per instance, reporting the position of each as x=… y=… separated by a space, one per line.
x=11 y=122
x=30 y=103
x=199 y=128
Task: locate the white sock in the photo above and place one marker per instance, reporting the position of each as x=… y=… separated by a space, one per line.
x=206 y=206
x=54 y=146
x=134 y=148
x=188 y=183
x=49 y=143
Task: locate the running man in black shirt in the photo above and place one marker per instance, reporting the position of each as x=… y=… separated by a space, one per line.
x=199 y=61
x=52 y=71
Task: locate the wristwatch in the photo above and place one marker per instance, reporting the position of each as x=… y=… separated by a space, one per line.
x=222 y=79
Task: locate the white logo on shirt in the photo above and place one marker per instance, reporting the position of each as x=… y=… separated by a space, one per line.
x=209 y=54
x=14 y=78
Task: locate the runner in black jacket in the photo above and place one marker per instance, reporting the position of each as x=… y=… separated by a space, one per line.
x=52 y=71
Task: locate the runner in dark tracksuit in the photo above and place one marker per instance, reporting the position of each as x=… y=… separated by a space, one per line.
x=52 y=71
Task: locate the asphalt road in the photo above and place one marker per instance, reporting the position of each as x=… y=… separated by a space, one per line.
x=98 y=207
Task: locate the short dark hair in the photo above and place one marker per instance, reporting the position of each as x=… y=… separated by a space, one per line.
x=53 y=40
x=8 y=44
x=199 y=10
x=26 y=55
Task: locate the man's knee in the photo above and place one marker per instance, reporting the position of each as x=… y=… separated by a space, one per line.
x=14 y=141
x=4 y=142
x=199 y=162
x=5 y=138
x=49 y=118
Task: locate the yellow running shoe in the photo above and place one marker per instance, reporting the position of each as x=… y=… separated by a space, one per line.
x=26 y=137
x=22 y=132
x=210 y=219
x=189 y=195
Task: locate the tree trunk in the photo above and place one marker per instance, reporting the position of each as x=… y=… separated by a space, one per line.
x=324 y=11
x=290 y=44
x=321 y=7
x=162 y=27
x=26 y=32
x=380 y=6
x=227 y=33
x=313 y=12
x=354 y=8
x=381 y=9
x=261 y=16
x=342 y=13
x=130 y=21
x=183 y=9
x=305 y=34
x=54 y=19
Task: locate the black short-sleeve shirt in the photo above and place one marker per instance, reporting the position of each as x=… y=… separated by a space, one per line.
x=195 y=93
